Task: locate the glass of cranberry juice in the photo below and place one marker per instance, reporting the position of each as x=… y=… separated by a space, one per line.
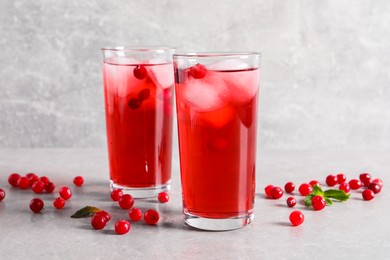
x=138 y=92
x=216 y=101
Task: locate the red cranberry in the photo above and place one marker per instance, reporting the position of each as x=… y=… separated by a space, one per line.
x=65 y=192
x=289 y=187
x=163 y=197
x=98 y=221
x=13 y=179
x=305 y=189
x=375 y=187
x=135 y=214
x=315 y=182
x=341 y=178
x=36 y=205
x=276 y=193
x=140 y=72
x=78 y=181
x=24 y=182
x=45 y=179
x=368 y=194
x=122 y=227
x=151 y=217
x=2 y=194
x=296 y=218
x=379 y=181
x=345 y=187
x=318 y=202
x=331 y=180
x=105 y=214
x=126 y=201
x=198 y=71
x=116 y=195
x=32 y=177
x=134 y=103
x=38 y=187
x=291 y=202
x=144 y=94
x=267 y=190
x=355 y=184
x=365 y=178
x=59 y=203
x=50 y=187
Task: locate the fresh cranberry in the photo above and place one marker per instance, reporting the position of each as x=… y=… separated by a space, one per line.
x=375 y=187
x=126 y=201
x=318 y=202
x=135 y=214
x=134 y=103
x=289 y=187
x=345 y=187
x=341 y=178
x=331 y=180
x=140 y=72
x=151 y=217
x=144 y=94
x=24 y=182
x=305 y=189
x=296 y=218
x=45 y=179
x=13 y=179
x=2 y=194
x=276 y=193
x=315 y=182
x=36 y=205
x=198 y=71
x=267 y=190
x=291 y=202
x=355 y=184
x=65 y=192
x=116 y=194
x=105 y=214
x=98 y=221
x=163 y=197
x=38 y=187
x=368 y=194
x=365 y=178
x=59 y=203
x=78 y=181
x=122 y=227
x=379 y=181
x=32 y=177
x=49 y=187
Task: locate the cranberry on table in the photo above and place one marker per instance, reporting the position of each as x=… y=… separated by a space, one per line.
x=315 y=182
x=140 y=72
x=296 y=218
x=126 y=201
x=291 y=202
x=105 y=214
x=116 y=194
x=368 y=194
x=198 y=71
x=49 y=187
x=163 y=197
x=289 y=187
x=2 y=194
x=345 y=187
x=331 y=180
x=379 y=181
x=78 y=181
x=276 y=193
x=59 y=203
x=355 y=184
x=341 y=178
x=32 y=177
x=36 y=205
x=13 y=179
x=24 y=182
x=267 y=190
x=45 y=179
x=375 y=187
x=98 y=221
x=135 y=214
x=365 y=178
x=151 y=217
x=122 y=227
x=38 y=187
x=65 y=193
x=318 y=202
x=305 y=189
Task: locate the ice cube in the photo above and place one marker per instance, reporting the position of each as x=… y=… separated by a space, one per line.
x=243 y=85
x=206 y=94
x=121 y=60
x=162 y=75
x=230 y=64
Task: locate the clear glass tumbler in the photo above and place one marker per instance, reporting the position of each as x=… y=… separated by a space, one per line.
x=216 y=101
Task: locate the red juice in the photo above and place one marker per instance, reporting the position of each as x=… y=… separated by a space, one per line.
x=217 y=118
x=138 y=101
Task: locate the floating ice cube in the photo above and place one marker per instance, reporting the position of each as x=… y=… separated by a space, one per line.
x=122 y=60
x=230 y=64
x=162 y=75
x=243 y=85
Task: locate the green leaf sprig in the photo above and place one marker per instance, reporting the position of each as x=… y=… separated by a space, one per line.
x=329 y=195
x=85 y=212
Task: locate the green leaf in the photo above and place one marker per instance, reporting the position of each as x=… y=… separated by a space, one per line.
x=328 y=201
x=308 y=199
x=85 y=212
x=339 y=195
x=317 y=191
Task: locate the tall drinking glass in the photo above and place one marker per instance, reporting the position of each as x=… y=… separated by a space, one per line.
x=216 y=101
x=138 y=90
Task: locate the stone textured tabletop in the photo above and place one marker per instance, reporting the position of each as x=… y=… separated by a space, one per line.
x=353 y=230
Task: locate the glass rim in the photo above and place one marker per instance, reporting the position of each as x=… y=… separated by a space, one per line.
x=216 y=54
x=137 y=48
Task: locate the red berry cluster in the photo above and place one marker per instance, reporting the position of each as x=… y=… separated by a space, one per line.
x=372 y=187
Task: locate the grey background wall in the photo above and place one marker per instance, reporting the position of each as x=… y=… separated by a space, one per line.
x=325 y=65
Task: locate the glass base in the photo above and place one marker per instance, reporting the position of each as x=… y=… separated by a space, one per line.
x=140 y=193
x=218 y=224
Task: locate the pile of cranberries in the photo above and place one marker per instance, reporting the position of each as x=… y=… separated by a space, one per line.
x=365 y=181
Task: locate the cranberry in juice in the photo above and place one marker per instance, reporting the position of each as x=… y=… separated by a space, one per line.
x=138 y=100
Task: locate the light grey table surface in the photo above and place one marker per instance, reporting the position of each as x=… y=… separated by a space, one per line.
x=353 y=230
